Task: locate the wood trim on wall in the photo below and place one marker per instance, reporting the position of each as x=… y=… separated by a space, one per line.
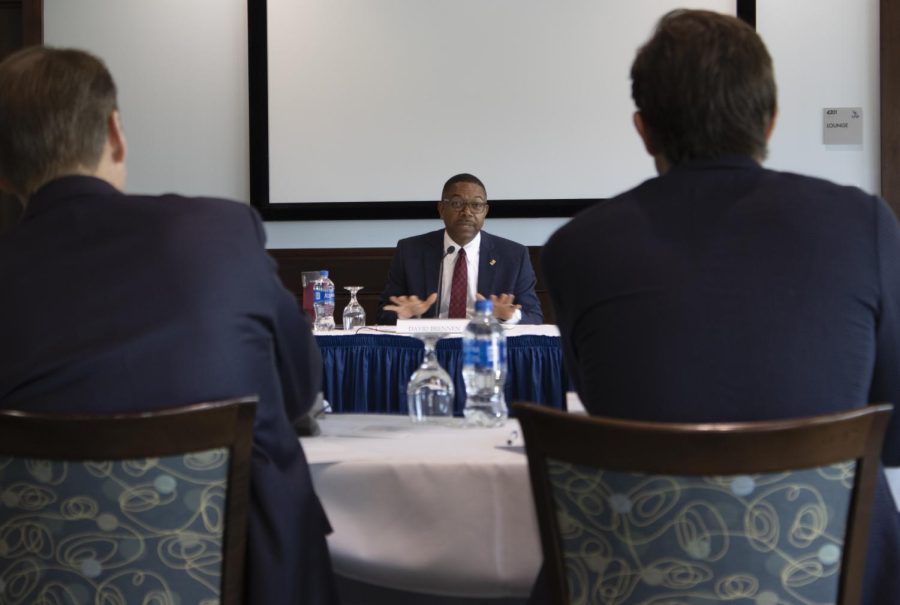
x=21 y=24
x=10 y=27
x=30 y=15
x=889 y=54
x=32 y=22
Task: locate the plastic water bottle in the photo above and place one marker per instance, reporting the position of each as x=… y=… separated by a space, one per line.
x=484 y=368
x=323 y=302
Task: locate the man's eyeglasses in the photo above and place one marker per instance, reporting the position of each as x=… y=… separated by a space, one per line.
x=477 y=207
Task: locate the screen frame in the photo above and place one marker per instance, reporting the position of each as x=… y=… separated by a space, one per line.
x=258 y=80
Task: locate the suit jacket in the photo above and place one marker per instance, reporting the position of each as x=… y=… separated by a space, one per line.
x=723 y=291
x=416 y=266
x=116 y=303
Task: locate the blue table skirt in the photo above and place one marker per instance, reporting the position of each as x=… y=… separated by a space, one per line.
x=368 y=374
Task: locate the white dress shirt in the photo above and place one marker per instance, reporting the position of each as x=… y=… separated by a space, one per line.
x=473 y=253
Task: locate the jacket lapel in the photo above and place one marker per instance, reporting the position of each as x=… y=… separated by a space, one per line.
x=487 y=265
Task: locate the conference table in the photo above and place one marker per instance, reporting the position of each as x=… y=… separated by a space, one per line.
x=367 y=370
x=427 y=509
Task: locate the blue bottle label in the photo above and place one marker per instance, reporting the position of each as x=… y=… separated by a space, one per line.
x=323 y=296
x=481 y=354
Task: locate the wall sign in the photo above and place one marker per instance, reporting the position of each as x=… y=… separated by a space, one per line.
x=842 y=126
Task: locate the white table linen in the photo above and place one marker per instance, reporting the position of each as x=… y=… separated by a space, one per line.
x=517 y=330
x=429 y=509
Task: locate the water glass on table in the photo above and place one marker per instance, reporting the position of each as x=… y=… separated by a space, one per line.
x=430 y=394
x=354 y=314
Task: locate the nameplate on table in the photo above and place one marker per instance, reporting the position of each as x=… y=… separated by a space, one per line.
x=433 y=326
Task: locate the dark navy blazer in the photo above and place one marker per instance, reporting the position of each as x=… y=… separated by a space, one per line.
x=114 y=303
x=722 y=291
x=503 y=268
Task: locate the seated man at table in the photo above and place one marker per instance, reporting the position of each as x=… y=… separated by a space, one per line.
x=723 y=291
x=117 y=303
x=470 y=263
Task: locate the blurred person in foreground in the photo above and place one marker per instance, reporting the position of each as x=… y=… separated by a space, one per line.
x=116 y=303
x=724 y=291
x=485 y=265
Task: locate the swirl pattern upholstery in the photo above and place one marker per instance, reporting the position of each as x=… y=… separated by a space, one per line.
x=134 y=531
x=762 y=539
x=765 y=512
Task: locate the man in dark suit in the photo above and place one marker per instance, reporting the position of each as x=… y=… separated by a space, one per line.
x=115 y=302
x=723 y=291
x=483 y=265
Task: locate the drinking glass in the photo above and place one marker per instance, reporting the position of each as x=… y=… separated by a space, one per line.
x=429 y=395
x=354 y=314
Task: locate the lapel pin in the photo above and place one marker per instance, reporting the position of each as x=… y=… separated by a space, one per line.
x=493 y=262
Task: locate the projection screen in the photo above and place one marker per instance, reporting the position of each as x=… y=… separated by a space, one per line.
x=363 y=108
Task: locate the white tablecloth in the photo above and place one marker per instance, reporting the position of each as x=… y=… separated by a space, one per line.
x=430 y=509
x=518 y=330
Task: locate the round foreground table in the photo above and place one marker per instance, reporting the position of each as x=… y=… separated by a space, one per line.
x=429 y=509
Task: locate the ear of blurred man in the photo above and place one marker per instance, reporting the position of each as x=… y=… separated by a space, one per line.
x=112 y=167
x=771 y=125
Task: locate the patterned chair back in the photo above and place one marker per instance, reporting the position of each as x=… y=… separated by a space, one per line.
x=624 y=528
x=769 y=538
x=121 y=530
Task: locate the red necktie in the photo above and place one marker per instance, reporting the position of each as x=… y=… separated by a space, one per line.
x=459 y=287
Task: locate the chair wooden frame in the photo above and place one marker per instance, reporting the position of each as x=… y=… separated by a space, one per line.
x=164 y=432
x=706 y=449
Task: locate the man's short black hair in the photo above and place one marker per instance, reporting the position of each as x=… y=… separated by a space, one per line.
x=463 y=177
x=705 y=87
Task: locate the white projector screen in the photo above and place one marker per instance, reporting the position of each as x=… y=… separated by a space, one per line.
x=370 y=105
